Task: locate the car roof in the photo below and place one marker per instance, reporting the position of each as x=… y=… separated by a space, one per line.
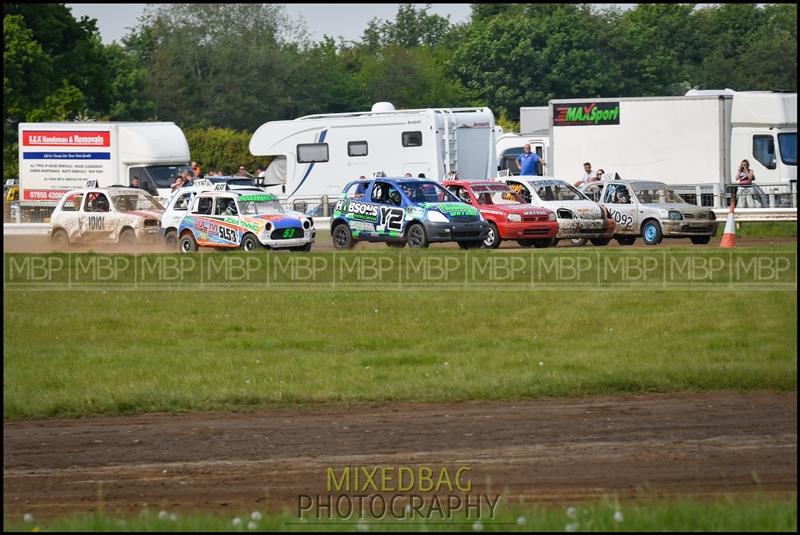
x=236 y=192
x=112 y=189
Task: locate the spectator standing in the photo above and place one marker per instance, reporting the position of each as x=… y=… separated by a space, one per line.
x=744 y=193
x=528 y=161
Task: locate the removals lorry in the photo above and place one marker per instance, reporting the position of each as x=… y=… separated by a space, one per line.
x=57 y=157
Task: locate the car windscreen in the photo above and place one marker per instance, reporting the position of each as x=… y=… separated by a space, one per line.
x=495 y=194
x=131 y=202
x=425 y=191
x=556 y=190
x=256 y=204
x=651 y=193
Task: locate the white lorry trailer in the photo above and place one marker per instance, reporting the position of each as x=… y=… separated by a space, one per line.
x=317 y=155
x=57 y=157
x=691 y=141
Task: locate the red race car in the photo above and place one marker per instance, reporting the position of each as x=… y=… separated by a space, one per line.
x=509 y=217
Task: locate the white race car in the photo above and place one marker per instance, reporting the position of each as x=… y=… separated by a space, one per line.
x=178 y=203
x=579 y=218
x=116 y=214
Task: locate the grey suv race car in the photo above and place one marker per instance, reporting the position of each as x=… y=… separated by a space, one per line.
x=651 y=210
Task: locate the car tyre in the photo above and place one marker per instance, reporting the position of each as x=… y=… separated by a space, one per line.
x=249 y=243
x=579 y=242
x=701 y=240
x=554 y=242
x=493 y=239
x=416 y=237
x=60 y=239
x=171 y=239
x=395 y=244
x=626 y=240
x=651 y=232
x=342 y=237
x=600 y=242
x=127 y=237
x=542 y=243
x=187 y=243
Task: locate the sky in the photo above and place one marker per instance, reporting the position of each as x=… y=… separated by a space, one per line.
x=345 y=20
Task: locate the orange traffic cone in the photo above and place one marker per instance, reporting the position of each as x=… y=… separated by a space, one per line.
x=729 y=235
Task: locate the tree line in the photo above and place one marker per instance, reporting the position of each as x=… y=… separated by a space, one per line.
x=221 y=70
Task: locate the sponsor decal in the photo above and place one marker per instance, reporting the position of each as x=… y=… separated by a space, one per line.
x=454 y=209
x=588 y=113
x=258 y=198
x=66 y=155
x=43 y=194
x=358 y=210
x=68 y=138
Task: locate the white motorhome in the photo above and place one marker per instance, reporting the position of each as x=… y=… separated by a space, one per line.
x=57 y=157
x=318 y=154
x=697 y=139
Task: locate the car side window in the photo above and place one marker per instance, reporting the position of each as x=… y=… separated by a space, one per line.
x=520 y=190
x=96 y=202
x=72 y=203
x=183 y=202
x=204 y=205
x=617 y=194
x=460 y=192
x=225 y=206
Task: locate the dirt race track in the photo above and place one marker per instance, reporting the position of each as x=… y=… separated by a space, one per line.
x=547 y=451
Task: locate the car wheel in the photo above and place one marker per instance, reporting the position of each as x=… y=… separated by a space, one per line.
x=171 y=240
x=249 y=243
x=492 y=240
x=342 y=237
x=651 y=232
x=416 y=238
x=187 y=243
x=127 y=237
x=60 y=239
x=541 y=244
x=396 y=244
x=554 y=242
x=579 y=242
x=470 y=244
x=600 y=242
x=701 y=240
x=626 y=240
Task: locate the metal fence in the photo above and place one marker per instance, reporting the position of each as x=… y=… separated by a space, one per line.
x=753 y=196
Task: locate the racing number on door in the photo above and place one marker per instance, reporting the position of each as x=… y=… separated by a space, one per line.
x=392 y=218
x=227 y=234
x=623 y=219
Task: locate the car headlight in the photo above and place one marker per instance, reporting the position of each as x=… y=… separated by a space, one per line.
x=268 y=226
x=712 y=216
x=437 y=217
x=677 y=216
x=514 y=218
x=551 y=216
x=307 y=224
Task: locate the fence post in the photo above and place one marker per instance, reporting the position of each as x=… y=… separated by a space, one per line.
x=717 y=201
x=325 y=206
x=698 y=196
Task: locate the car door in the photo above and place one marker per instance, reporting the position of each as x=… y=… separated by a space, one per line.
x=621 y=205
x=96 y=222
x=226 y=215
x=179 y=209
x=390 y=213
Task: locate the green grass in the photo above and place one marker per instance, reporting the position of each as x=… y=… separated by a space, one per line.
x=756 y=514
x=762 y=229
x=71 y=353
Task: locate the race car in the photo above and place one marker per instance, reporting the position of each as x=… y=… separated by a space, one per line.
x=509 y=217
x=651 y=210
x=579 y=218
x=116 y=214
x=177 y=206
x=404 y=210
x=240 y=218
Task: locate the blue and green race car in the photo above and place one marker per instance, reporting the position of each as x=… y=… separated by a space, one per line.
x=400 y=211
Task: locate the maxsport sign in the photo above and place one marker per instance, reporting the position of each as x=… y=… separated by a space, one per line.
x=585 y=113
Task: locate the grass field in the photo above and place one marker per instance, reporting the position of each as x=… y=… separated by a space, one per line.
x=757 y=514
x=111 y=349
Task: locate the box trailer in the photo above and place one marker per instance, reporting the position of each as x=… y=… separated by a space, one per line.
x=317 y=155
x=57 y=157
